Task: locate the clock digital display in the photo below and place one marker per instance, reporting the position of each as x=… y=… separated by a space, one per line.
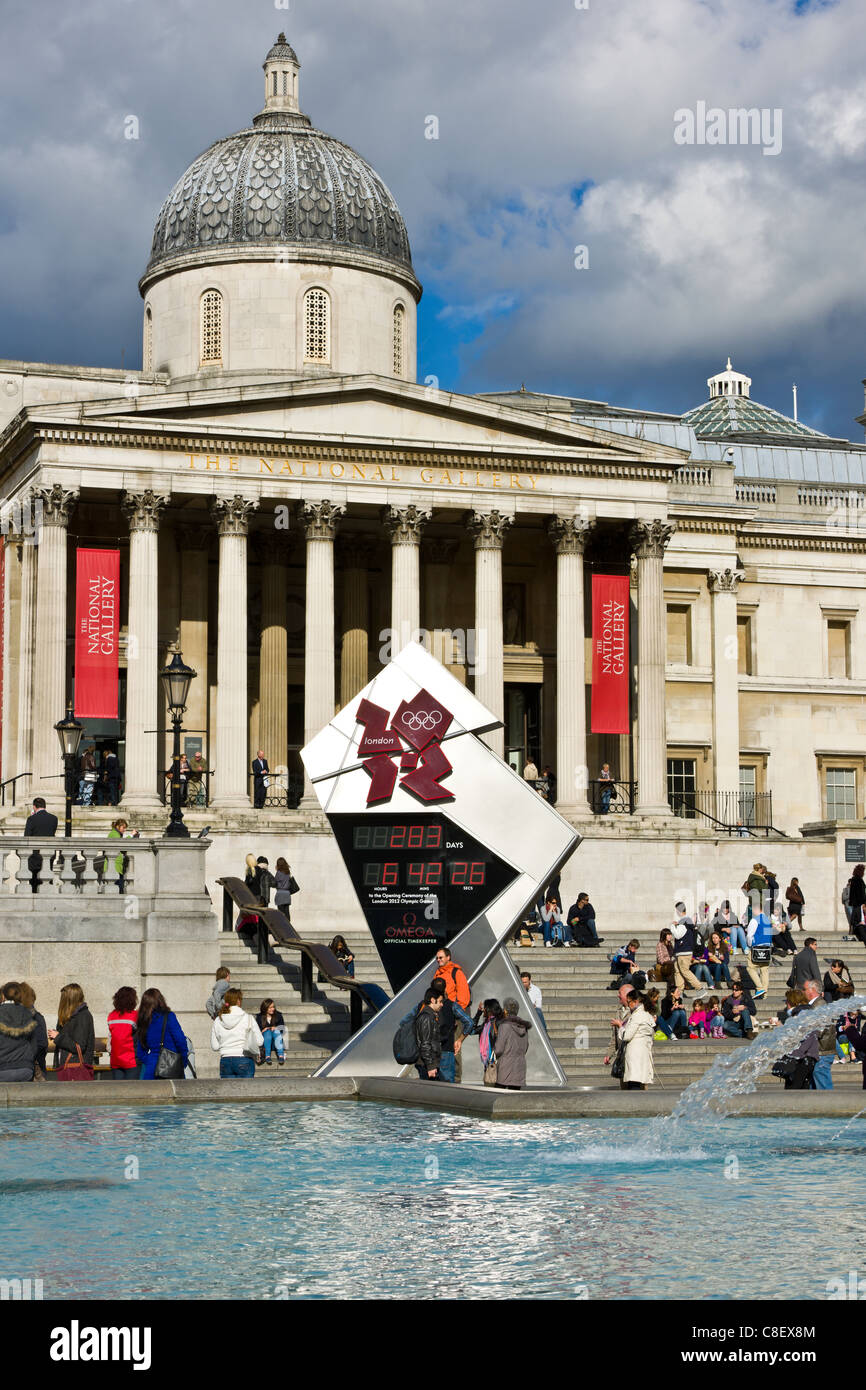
x=420 y=880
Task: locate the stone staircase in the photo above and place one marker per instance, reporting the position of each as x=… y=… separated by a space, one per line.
x=577 y=1007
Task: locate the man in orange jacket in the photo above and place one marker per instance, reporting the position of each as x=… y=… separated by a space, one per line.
x=458 y=992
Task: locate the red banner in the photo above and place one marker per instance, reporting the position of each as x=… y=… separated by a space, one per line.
x=97 y=626
x=610 y=662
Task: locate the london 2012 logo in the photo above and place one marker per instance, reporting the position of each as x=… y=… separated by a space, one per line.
x=415 y=733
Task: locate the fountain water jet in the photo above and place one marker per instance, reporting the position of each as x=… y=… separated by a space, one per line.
x=736 y=1074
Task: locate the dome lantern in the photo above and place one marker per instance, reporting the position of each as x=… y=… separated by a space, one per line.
x=729 y=383
x=281 y=77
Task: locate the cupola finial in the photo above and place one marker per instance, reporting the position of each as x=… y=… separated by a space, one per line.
x=281 y=77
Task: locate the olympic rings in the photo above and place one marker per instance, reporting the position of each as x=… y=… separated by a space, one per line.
x=421 y=719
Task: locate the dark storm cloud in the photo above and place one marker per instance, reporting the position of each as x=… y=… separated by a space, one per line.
x=555 y=130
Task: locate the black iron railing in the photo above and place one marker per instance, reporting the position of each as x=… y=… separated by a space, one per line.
x=195 y=792
x=618 y=797
x=739 y=813
x=11 y=782
x=283 y=792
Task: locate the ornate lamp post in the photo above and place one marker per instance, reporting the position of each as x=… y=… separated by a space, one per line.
x=69 y=732
x=176 y=680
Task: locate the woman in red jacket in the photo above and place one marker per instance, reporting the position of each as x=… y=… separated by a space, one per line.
x=121 y=1022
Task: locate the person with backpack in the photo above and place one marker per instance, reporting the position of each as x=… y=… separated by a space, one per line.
x=796 y=902
x=215 y=1002
x=236 y=1037
x=555 y=931
x=685 y=945
x=428 y=1038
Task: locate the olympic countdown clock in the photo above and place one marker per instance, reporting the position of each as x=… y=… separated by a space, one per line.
x=443 y=842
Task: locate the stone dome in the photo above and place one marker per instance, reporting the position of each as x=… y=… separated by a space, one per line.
x=280 y=189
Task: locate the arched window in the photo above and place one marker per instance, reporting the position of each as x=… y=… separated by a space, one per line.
x=397 y=341
x=317 y=326
x=147 y=355
x=211 y=326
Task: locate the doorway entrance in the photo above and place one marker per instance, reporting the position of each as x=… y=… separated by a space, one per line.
x=522 y=725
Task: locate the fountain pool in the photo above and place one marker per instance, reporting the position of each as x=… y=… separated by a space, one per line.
x=353 y=1200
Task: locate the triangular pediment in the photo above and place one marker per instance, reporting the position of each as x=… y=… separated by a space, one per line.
x=367 y=410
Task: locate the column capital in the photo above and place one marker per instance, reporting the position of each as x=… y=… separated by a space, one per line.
x=355 y=551
x=56 y=502
x=569 y=534
x=439 y=550
x=405 y=524
x=320 y=519
x=724 y=581
x=488 y=529
x=233 y=514
x=142 y=509
x=649 y=539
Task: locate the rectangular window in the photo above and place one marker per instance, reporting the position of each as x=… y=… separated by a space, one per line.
x=748 y=790
x=841 y=793
x=679 y=634
x=682 y=786
x=744 y=645
x=838 y=648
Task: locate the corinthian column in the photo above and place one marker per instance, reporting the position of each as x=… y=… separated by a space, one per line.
x=489 y=528
x=273 y=551
x=569 y=536
x=320 y=522
x=26 y=647
x=142 y=649
x=405 y=525
x=355 y=554
x=648 y=540
x=726 y=695
x=49 y=680
x=232 y=737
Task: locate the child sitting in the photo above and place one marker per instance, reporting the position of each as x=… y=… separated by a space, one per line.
x=698 y=1022
x=715 y=1021
x=622 y=962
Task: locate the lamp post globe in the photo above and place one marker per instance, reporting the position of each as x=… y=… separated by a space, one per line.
x=69 y=733
x=176 y=679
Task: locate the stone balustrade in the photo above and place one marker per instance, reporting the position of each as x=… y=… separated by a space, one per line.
x=74 y=867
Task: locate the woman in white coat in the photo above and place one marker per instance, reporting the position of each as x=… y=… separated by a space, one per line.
x=637 y=1031
x=236 y=1037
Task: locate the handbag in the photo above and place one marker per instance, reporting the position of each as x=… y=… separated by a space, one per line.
x=75 y=1071
x=293 y=885
x=760 y=955
x=251 y=1049
x=169 y=1064
x=617 y=1069
x=491 y=1072
x=786 y=1066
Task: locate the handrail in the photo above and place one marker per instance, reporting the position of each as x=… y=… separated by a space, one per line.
x=730 y=829
x=10 y=782
x=270 y=919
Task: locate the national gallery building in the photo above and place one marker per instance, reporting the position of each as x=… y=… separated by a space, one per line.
x=290 y=505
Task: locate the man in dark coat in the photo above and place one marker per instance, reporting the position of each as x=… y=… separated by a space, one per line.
x=43 y=824
x=428 y=1036
x=805 y=966
x=111 y=768
x=260 y=778
x=581 y=919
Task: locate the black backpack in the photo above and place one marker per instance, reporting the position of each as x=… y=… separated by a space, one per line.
x=406 y=1044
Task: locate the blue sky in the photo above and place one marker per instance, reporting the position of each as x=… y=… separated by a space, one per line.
x=555 y=131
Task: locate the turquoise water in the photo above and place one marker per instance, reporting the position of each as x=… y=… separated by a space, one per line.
x=350 y=1200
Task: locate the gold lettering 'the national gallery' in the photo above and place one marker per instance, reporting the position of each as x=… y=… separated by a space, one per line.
x=365 y=472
